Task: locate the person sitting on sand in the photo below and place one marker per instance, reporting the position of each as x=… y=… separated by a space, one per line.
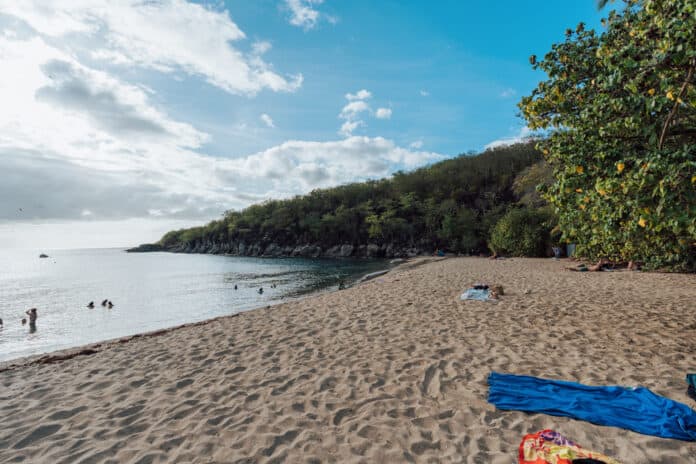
x=91 y=304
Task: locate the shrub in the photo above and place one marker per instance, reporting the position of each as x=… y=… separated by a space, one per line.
x=522 y=232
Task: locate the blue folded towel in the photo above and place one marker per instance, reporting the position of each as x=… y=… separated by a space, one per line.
x=636 y=409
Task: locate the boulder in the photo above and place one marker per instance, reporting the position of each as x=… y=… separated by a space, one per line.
x=373 y=250
x=346 y=251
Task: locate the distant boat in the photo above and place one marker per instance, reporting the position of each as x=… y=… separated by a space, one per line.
x=43 y=256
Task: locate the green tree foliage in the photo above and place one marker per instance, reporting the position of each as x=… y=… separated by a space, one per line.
x=522 y=232
x=527 y=184
x=620 y=110
x=449 y=205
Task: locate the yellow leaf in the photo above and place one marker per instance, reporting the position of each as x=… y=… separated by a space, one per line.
x=586 y=199
x=579 y=190
x=546 y=152
x=602 y=192
x=620 y=167
x=642 y=222
x=670 y=95
x=579 y=169
x=651 y=92
x=646 y=210
x=693 y=180
x=582 y=207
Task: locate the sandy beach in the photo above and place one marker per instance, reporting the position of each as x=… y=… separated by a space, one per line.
x=392 y=370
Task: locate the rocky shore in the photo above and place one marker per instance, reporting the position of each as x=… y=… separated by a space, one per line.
x=274 y=250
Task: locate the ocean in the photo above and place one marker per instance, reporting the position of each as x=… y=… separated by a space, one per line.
x=149 y=291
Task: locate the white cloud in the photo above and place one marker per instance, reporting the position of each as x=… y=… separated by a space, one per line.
x=353 y=109
x=509 y=92
x=267 y=120
x=166 y=35
x=300 y=166
x=418 y=144
x=524 y=134
x=424 y=93
x=383 y=113
x=304 y=14
x=348 y=127
x=261 y=47
x=359 y=95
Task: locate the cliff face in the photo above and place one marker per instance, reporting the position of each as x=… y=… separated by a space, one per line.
x=370 y=250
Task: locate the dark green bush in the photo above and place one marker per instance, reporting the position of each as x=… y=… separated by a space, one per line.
x=522 y=232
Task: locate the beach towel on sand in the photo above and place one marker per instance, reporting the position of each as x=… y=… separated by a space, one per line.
x=550 y=447
x=636 y=409
x=476 y=294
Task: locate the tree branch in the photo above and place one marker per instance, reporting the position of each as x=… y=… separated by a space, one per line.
x=676 y=103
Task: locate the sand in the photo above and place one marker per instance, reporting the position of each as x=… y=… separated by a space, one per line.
x=393 y=370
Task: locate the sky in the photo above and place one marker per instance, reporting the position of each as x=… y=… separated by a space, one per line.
x=122 y=120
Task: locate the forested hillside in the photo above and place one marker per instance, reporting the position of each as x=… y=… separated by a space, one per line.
x=451 y=205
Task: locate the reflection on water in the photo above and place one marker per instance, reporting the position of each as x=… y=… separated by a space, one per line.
x=149 y=291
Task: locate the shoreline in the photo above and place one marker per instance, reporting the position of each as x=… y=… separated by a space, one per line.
x=391 y=370
x=51 y=357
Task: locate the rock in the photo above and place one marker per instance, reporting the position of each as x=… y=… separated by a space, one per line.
x=273 y=250
x=144 y=248
x=373 y=250
x=346 y=251
x=333 y=252
x=372 y=275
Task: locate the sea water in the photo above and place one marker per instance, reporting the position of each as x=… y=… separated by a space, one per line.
x=149 y=291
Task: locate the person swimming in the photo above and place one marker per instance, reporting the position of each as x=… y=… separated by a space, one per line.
x=91 y=304
x=109 y=304
x=261 y=291
x=235 y=286
x=104 y=302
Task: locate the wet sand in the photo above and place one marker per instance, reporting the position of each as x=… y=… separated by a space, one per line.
x=392 y=370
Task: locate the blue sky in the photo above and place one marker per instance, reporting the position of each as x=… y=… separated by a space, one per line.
x=471 y=59
x=142 y=116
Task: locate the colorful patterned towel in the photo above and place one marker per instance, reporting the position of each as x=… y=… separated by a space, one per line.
x=550 y=447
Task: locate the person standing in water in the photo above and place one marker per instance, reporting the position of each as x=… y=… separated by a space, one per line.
x=32 y=319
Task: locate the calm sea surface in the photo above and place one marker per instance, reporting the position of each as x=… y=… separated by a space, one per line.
x=149 y=290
